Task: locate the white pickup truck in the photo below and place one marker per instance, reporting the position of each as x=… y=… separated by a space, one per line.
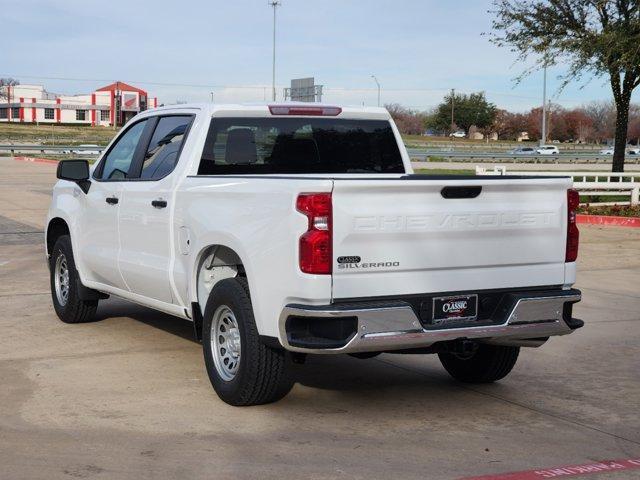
x=287 y=230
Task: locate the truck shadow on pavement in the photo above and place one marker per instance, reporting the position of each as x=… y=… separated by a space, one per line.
x=116 y=307
x=324 y=372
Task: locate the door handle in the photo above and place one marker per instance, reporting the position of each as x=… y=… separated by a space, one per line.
x=461 y=192
x=159 y=203
x=111 y=200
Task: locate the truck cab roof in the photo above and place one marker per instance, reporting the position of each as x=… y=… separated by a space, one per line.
x=265 y=109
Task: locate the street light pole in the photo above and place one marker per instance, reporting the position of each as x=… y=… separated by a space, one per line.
x=543 y=138
x=274 y=4
x=453 y=99
x=378 y=84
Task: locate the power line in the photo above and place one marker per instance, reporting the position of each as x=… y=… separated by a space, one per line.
x=261 y=87
x=140 y=82
x=192 y=85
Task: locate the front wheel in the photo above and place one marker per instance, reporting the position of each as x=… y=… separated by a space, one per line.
x=64 y=285
x=243 y=370
x=488 y=363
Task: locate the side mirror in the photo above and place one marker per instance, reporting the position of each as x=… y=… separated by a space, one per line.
x=75 y=171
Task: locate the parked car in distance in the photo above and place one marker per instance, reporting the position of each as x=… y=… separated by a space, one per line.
x=547 y=150
x=523 y=151
x=87 y=149
x=630 y=151
x=288 y=230
x=458 y=134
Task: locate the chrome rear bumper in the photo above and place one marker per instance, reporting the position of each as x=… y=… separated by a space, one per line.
x=395 y=325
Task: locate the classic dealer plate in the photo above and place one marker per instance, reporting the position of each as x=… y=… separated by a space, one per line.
x=455 y=309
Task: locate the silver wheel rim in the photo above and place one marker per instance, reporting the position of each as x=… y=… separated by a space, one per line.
x=61 y=279
x=225 y=343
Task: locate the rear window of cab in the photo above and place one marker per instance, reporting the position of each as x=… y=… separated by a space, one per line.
x=299 y=146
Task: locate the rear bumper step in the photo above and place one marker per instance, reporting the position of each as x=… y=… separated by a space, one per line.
x=394 y=325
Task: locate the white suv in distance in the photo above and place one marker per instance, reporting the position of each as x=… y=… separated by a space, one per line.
x=548 y=150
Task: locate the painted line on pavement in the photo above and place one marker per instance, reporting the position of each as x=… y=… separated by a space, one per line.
x=605 y=466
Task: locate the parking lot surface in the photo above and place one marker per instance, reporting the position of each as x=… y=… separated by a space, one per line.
x=128 y=396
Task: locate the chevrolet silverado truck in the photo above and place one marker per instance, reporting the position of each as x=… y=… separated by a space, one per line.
x=294 y=229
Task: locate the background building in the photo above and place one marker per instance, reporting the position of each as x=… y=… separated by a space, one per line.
x=113 y=104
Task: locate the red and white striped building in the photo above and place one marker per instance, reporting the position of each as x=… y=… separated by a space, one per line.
x=113 y=104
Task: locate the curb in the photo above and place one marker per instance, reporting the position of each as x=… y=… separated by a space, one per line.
x=36 y=160
x=608 y=221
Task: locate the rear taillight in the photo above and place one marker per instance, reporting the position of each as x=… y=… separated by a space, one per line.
x=315 y=243
x=573 y=235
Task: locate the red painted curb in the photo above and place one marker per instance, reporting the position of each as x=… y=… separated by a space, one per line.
x=36 y=160
x=607 y=220
x=609 y=466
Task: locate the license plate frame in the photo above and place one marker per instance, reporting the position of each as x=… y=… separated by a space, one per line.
x=454 y=309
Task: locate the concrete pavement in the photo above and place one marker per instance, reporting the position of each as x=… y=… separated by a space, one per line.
x=128 y=396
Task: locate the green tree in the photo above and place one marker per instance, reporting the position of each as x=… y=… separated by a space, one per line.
x=472 y=109
x=594 y=37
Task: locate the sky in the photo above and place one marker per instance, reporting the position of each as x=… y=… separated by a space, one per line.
x=184 y=50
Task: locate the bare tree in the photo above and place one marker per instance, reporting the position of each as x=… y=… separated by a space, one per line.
x=407 y=121
x=4 y=83
x=603 y=119
x=634 y=124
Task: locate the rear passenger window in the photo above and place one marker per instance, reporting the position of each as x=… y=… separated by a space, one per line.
x=161 y=156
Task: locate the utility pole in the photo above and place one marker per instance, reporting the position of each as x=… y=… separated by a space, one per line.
x=378 y=84
x=453 y=101
x=548 y=118
x=543 y=138
x=275 y=4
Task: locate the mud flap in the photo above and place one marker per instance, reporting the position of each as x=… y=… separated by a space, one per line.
x=85 y=293
x=197 y=321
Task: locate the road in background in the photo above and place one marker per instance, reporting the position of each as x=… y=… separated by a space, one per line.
x=542 y=167
x=128 y=396
x=425 y=155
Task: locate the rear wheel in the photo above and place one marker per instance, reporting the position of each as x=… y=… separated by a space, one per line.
x=242 y=369
x=64 y=285
x=488 y=363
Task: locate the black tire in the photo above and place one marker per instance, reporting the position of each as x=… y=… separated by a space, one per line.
x=74 y=310
x=263 y=373
x=489 y=363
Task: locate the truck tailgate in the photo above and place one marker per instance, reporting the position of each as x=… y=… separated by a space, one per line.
x=402 y=236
